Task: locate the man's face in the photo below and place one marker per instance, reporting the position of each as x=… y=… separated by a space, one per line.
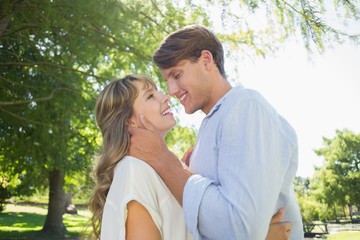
x=188 y=81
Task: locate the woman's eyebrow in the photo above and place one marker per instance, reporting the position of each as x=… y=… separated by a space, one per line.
x=147 y=91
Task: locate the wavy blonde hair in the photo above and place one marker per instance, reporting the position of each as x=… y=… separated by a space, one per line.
x=113 y=110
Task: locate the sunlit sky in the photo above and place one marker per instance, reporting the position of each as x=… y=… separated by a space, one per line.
x=316 y=95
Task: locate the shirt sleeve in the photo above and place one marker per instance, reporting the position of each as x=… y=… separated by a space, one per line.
x=253 y=157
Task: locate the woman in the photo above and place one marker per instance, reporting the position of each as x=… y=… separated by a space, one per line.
x=130 y=199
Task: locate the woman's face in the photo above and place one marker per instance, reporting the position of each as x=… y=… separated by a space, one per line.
x=154 y=106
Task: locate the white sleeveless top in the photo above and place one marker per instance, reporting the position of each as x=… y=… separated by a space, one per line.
x=136 y=180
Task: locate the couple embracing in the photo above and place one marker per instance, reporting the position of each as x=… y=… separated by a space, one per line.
x=235 y=184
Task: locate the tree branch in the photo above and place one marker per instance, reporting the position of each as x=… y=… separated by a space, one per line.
x=24 y=119
x=324 y=27
x=42 y=99
x=49 y=64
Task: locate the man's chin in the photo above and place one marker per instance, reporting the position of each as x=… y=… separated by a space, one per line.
x=189 y=111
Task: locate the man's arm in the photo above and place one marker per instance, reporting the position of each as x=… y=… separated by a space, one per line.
x=158 y=156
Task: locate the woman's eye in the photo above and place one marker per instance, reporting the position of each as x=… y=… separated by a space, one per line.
x=150 y=96
x=177 y=76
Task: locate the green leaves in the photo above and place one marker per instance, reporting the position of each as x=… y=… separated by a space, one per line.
x=339 y=178
x=55 y=56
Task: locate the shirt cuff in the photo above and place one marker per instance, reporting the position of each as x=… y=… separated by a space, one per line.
x=194 y=191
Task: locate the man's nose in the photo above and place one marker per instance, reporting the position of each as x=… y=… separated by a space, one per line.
x=172 y=88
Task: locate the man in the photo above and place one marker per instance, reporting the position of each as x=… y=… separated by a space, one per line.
x=246 y=155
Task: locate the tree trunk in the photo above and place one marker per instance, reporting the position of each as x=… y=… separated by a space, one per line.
x=54 y=225
x=351 y=213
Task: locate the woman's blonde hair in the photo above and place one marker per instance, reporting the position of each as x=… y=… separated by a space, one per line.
x=113 y=110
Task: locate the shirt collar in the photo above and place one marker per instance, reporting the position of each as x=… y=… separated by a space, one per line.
x=222 y=100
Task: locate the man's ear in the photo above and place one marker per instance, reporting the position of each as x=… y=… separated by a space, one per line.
x=207 y=59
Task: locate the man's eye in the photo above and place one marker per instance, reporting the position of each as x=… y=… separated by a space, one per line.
x=177 y=76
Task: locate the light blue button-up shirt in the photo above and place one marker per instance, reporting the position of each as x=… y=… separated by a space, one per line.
x=245 y=161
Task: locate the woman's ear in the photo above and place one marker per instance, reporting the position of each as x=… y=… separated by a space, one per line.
x=132 y=122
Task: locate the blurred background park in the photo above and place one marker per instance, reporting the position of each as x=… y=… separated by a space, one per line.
x=56 y=55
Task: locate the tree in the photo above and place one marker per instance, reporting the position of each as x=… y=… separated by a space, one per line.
x=55 y=56
x=339 y=178
x=179 y=143
x=301 y=185
x=311 y=209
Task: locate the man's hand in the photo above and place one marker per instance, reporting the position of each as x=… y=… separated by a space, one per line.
x=279 y=230
x=147 y=144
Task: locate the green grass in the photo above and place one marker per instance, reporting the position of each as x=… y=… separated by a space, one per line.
x=24 y=222
x=344 y=235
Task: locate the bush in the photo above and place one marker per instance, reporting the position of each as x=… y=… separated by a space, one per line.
x=312 y=210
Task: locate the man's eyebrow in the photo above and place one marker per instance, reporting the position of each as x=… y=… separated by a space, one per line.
x=175 y=68
x=169 y=74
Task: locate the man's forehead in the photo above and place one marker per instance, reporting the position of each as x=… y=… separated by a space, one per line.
x=169 y=71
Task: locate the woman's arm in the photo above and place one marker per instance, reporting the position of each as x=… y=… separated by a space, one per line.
x=139 y=224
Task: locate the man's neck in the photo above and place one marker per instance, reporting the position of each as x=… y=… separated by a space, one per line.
x=220 y=89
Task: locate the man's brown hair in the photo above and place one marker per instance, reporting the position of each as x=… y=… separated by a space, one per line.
x=186 y=44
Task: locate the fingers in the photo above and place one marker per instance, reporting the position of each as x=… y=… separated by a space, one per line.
x=187 y=155
x=278 y=216
x=132 y=129
x=186 y=158
x=145 y=123
x=288 y=227
x=279 y=231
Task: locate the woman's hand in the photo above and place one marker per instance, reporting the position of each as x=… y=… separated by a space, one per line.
x=279 y=230
x=186 y=158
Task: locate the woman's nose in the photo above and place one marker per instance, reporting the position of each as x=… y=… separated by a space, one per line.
x=165 y=98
